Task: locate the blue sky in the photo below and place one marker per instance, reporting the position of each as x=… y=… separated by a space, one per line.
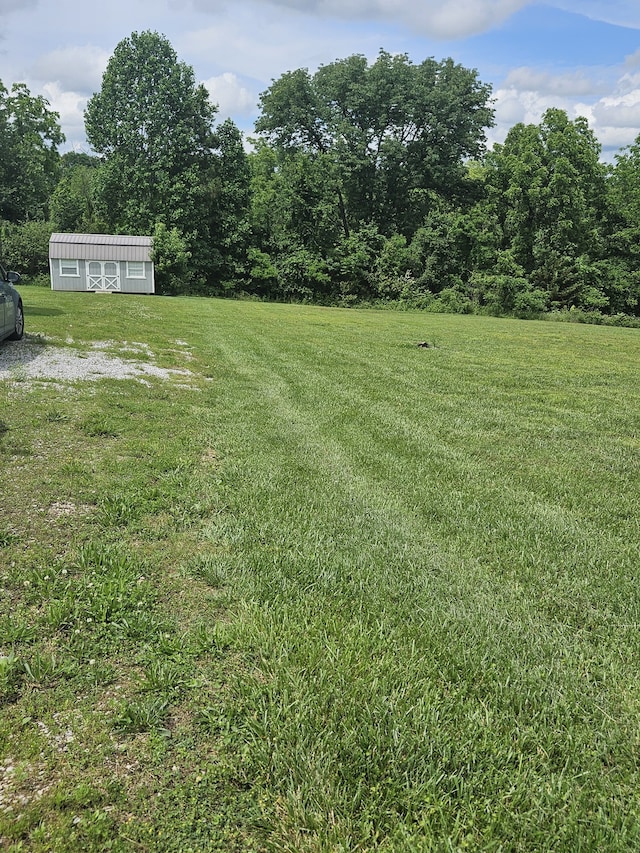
x=580 y=55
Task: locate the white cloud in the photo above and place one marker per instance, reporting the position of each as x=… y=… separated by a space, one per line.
x=238 y=46
x=514 y=106
x=444 y=19
x=75 y=68
x=70 y=106
x=448 y=19
x=231 y=96
x=627 y=83
x=613 y=139
x=622 y=112
x=526 y=79
x=633 y=60
x=437 y=18
x=283 y=45
x=614 y=117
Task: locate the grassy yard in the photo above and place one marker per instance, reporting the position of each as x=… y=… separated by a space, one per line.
x=329 y=591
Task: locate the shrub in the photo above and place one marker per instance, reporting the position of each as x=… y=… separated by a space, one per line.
x=451 y=301
x=530 y=302
x=303 y=276
x=26 y=247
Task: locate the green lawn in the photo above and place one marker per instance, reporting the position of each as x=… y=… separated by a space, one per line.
x=331 y=591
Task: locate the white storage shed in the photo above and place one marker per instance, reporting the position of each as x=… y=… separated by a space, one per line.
x=101 y=263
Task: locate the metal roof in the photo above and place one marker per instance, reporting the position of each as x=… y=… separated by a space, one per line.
x=100 y=247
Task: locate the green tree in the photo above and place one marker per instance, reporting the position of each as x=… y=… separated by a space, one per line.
x=395 y=132
x=29 y=158
x=171 y=259
x=294 y=222
x=25 y=246
x=230 y=225
x=153 y=127
x=72 y=204
x=546 y=187
x=438 y=251
x=620 y=270
x=293 y=200
x=354 y=264
x=302 y=276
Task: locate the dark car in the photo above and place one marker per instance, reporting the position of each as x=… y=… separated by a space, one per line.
x=11 y=311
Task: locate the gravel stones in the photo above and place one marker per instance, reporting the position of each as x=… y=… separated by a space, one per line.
x=35 y=359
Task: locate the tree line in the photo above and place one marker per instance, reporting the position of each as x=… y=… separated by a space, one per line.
x=365 y=183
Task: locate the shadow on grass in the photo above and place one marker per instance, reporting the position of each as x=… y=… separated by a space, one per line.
x=44 y=312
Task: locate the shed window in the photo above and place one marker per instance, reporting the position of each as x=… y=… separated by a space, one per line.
x=69 y=267
x=135 y=269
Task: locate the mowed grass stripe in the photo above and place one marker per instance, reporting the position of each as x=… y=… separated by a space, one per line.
x=421 y=562
x=422 y=458
x=428 y=559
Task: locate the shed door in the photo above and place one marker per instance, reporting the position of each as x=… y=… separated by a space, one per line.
x=103 y=275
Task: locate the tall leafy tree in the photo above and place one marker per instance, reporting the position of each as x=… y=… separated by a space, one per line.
x=294 y=222
x=29 y=158
x=231 y=191
x=153 y=127
x=621 y=271
x=547 y=188
x=395 y=132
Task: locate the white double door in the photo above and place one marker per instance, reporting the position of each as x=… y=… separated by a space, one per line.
x=103 y=275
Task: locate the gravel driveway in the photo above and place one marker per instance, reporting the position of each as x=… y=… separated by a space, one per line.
x=31 y=358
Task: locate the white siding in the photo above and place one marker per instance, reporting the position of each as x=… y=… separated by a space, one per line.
x=78 y=250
